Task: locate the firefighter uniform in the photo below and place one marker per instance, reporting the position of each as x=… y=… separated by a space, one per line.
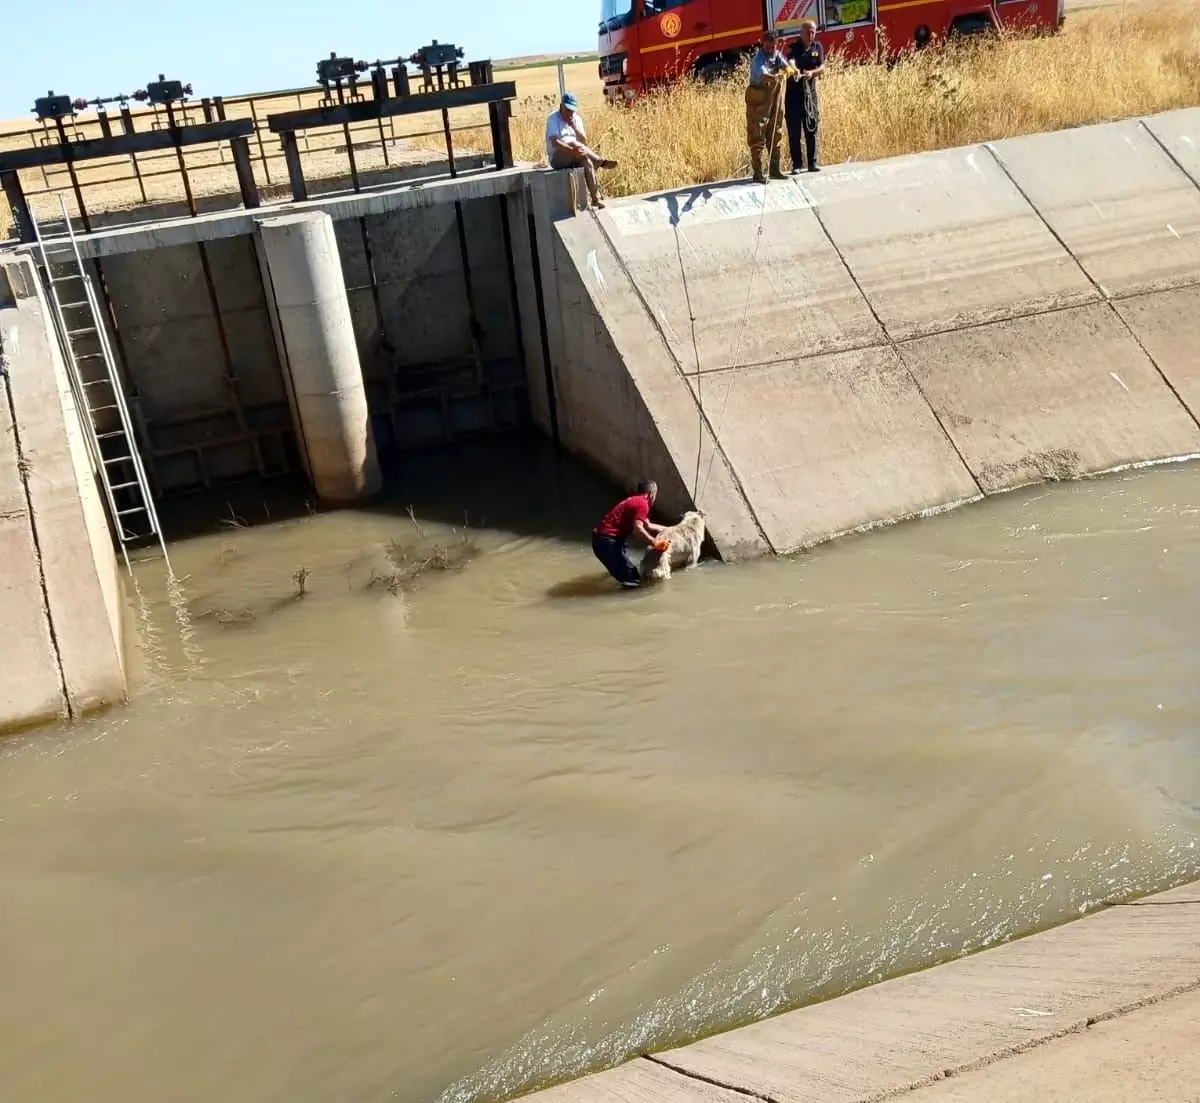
x=763 y=114
x=801 y=106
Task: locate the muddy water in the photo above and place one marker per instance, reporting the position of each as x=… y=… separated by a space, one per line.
x=507 y=824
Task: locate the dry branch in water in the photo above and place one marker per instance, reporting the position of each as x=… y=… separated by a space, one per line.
x=300 y=578
x=416 y=524
x=410 y=563
x=233 y=521
x=228 y=617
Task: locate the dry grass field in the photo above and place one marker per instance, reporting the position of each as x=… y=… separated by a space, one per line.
x=1108 y=63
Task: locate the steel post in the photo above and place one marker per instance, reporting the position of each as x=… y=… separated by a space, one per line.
x=291 y=154
x=240 y=147
x=543 y=331
x=469 y=285
x=11 y=182
x=513 y=290
x=499 y=115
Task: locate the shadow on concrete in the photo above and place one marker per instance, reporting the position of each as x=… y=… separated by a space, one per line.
x=681 y=200
x=516 y=483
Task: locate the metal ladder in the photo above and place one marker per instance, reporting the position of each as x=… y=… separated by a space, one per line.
x=96 y=384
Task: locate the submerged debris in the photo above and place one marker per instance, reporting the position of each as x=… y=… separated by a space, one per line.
x=300 y=578
x=410 y=562
x=233 y=521
x=236 y=618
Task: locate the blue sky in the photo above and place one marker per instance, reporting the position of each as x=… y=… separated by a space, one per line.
x=227 y=47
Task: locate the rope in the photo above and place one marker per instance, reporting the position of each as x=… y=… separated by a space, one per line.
x=772 y=123
x=774 y=120
x=687 y=298
x=758 y=236
x=809 y=85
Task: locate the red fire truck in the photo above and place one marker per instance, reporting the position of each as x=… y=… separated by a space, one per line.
x=645 y=42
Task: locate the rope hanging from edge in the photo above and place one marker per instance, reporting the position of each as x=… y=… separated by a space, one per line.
x=773 y=121
x=687 y=298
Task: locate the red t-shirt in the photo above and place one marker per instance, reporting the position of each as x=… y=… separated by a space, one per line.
x=619 y=521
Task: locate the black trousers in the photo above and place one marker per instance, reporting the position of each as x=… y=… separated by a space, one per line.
x=803 y=114
x=614 y=554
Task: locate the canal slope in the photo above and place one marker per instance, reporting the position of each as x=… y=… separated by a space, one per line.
x=1106 y=1008
x=886 y=339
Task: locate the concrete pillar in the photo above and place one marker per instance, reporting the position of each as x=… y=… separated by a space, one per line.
x=329 y=401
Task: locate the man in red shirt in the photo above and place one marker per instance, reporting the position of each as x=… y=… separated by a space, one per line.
x=624 y=519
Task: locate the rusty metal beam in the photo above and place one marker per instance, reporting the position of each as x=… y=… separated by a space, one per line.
x=369 y=110
x=121 y=144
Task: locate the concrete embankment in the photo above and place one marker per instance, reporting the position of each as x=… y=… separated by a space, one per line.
x=1106 y=1008
x=846 y=350
x=60 y=601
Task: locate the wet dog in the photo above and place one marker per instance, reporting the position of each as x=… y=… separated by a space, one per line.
x=682 y=548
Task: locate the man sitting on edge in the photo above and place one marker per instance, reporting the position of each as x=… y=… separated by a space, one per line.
x=566 y=148
x=625 y=518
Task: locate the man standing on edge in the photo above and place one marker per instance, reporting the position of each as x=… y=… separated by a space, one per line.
x=625 y=518
x=566 y=148
x=763 y=130
x=802 y=108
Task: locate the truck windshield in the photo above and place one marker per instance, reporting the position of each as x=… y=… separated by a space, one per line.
x=615 y=14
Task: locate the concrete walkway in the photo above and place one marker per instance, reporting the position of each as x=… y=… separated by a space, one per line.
x=1104 y=1009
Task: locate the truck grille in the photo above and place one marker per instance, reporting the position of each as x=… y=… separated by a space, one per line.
x=612 y=65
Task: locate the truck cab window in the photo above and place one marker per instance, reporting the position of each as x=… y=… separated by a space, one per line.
x=615 y=14
x=841 y=13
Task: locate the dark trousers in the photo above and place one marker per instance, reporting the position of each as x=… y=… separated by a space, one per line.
x=803 y=114
x=615 y=556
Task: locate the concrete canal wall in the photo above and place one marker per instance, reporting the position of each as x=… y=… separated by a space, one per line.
x=852 y=348
x=60 y=601
x=1104 y=1009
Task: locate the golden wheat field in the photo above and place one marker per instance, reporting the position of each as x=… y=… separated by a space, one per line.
x=1109 y=63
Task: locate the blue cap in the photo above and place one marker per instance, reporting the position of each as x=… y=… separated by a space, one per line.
x=570 y=101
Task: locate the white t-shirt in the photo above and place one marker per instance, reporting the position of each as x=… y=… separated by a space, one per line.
x=558 y=127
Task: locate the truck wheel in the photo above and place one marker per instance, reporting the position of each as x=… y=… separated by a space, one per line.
x=712 y=71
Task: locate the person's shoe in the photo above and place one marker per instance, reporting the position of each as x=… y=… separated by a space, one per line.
x=814 y=168
x=777 y=175
x=796 y=170
x=758 y=178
